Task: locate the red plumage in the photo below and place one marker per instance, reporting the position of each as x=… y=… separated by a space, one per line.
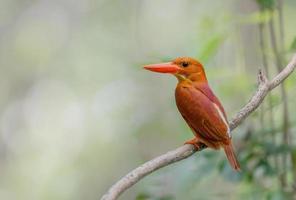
x=198 y=105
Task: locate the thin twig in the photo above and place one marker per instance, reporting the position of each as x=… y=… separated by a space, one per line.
x=187 y=150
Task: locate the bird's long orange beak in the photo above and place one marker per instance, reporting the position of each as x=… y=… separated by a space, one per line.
x=163 y=68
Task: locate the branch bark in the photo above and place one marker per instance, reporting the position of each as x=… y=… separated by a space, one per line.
x=187 y=150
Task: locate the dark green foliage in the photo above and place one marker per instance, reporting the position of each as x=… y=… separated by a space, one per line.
x=143 y=196
x=293 y=45
x=266 y=4
x=146 y=196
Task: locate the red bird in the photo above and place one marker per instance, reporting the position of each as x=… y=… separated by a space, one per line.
x=198 y=105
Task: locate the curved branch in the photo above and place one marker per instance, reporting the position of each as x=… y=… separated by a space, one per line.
x=187 y=150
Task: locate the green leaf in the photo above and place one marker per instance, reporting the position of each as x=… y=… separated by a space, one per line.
x=266 y=4
x=143 y=196
x=210 y=48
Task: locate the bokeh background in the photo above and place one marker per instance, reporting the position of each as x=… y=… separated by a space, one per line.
x=77 y=111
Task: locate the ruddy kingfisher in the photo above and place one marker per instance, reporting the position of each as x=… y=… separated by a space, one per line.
x=198 y=105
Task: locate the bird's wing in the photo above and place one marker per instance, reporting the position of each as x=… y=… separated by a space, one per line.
x=206 y=90
x=202 y=115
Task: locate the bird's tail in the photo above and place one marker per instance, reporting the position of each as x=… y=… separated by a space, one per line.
x=229 y=151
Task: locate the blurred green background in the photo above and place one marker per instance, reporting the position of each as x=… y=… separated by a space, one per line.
x=77 y=111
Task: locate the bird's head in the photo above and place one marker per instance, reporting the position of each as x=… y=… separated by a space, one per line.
x=183 y=68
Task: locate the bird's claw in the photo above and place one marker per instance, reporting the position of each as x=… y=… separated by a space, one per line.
x=195 y=142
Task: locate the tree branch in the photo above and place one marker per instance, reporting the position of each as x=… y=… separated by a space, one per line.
x=187 y=150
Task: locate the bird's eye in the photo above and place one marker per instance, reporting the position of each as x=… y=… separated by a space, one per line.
x=185 y=64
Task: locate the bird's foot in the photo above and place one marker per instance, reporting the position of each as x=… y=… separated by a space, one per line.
x=196 y=143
